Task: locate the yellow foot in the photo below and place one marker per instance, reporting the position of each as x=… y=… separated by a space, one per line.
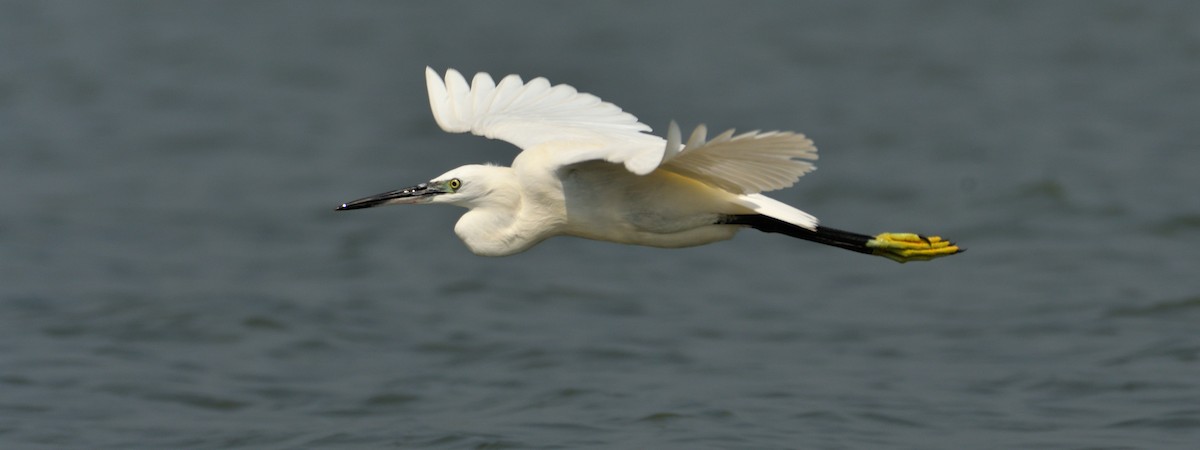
x=905 y=247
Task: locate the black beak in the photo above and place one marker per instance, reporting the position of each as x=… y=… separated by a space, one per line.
x=420 y=193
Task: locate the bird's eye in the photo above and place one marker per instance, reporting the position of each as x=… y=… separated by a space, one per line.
x=454 y=183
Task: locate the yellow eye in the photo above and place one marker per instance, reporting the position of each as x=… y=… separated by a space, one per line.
x=454 y=184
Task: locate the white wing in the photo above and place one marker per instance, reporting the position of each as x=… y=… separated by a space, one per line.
x=536 y=113
x=748 y=163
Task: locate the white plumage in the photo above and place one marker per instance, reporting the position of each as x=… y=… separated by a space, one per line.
x=536 y=113
x=591 y=170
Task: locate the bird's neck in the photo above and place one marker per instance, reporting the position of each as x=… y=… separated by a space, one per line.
x=504 y=222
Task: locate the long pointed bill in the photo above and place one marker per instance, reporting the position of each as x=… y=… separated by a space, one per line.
x=420 y=193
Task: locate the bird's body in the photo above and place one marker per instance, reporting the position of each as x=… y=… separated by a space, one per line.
x=589 y=170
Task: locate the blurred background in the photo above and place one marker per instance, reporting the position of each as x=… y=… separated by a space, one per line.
x=172 y=273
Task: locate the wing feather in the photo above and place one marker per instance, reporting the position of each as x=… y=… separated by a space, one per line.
x=747 y=163
x=538 y=113
x=484 y=84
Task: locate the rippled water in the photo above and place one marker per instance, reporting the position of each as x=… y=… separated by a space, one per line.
x=173 y=275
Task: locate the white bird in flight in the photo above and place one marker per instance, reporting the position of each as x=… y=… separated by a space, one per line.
x=589 y=169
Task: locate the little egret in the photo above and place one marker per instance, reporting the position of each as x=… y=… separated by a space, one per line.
x=589 y=169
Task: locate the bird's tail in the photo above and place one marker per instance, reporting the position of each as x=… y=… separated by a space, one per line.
x=899 y=247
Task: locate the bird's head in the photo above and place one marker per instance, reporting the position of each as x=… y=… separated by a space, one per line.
x=467 y=186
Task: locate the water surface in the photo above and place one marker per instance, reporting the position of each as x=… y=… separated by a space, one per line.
x=173 y=275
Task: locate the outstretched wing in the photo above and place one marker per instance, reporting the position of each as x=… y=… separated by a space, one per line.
x=535 y=113
x=748 y=163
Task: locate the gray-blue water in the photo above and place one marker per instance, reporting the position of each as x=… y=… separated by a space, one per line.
x=172 y=274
